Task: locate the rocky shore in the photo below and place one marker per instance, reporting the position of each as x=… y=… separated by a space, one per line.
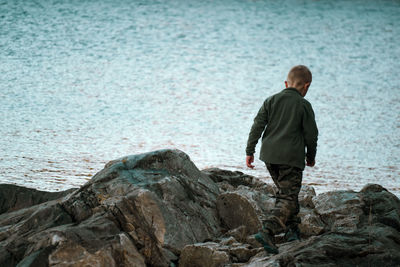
x=159 y=209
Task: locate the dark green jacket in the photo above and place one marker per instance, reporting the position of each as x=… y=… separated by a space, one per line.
x=290 y=129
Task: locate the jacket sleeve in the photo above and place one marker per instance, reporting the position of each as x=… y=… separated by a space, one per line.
x=310 y=131
x=260 y=121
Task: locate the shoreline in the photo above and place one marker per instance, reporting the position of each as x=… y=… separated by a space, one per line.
x=321 y=185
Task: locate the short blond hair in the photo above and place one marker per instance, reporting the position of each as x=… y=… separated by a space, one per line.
x=299 y=75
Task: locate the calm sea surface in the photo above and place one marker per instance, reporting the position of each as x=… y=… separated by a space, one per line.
x=85 y=82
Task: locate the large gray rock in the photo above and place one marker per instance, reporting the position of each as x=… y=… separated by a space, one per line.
x=341 y=211
x=151 y=204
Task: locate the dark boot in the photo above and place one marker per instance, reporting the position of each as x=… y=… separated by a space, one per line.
x=267 y=240
x=292 y=234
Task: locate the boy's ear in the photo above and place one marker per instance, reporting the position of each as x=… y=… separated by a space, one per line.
x=286 y=84
x=305 y=89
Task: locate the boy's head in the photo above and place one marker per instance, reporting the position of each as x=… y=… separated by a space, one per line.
x=299 y=77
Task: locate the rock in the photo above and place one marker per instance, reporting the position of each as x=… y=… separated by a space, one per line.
x=365 y=247
x=339 y=210
x=235 y=178
x=311 y=223
x=241 y=252
x=240 y=233
x=236 y=210
x=14 y=197
x=228 y=241
x=306 y=195
x=72 y=254
x=158 y=209
x=156 y=202
x=380 y=206
x=249 y=205
x=203 y=255
x=245 y=202
x=360 y=229
x=215 y=254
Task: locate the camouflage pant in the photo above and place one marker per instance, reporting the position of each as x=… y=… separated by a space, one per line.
x=284 y=214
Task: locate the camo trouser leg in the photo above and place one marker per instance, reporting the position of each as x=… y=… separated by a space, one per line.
x=284 y=214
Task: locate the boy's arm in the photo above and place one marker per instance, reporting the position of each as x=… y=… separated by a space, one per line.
x=310 y=133
x=257 y=129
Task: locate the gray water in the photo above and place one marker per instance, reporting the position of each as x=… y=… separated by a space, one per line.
x=85 y=82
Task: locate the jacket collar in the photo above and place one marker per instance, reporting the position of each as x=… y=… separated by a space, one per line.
x=293 y=89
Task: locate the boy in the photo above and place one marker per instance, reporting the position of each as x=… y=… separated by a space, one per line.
x=290 y=129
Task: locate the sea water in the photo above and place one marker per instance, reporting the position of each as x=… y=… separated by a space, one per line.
x=85 y=82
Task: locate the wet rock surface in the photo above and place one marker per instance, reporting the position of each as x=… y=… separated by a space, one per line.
x=158 y=209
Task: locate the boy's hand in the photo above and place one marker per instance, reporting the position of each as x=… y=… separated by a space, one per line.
x=310 y=163
x=249 y=161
